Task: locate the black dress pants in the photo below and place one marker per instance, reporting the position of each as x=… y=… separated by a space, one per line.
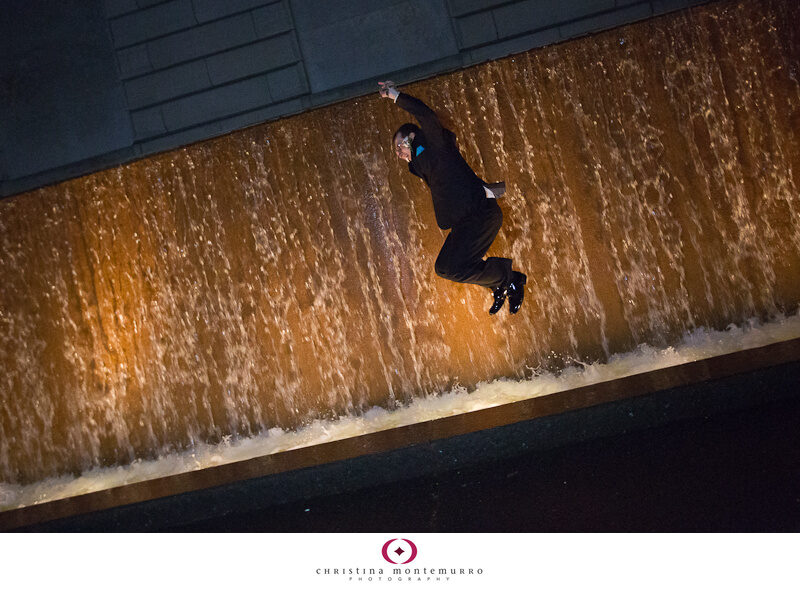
x=461 y=257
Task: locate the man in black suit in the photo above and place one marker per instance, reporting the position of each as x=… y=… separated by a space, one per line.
x=462 y=202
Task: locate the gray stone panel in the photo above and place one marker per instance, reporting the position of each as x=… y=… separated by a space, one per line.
x=272 y=19
x=476 y=29
x=459 y=7
x=148 y=123
x=316 y=14
x=152 y=22
x=664 y=6
x=252 y=59
x=181 y=138
x=201 y=41
x=119 y=7
x=369 y=87
x=207 y=10
x=166 y=84
x=287 y=83
x=221 y=127
x=607 y=21
x=133 y=61
x=530 y=15
x=216 y=103
x=512 y=46
x=394 y=37
x=148 y=3
x=61 y=100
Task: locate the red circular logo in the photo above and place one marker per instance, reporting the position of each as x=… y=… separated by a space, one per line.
x=401 y=549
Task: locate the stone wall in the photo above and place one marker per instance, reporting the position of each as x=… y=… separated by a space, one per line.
x=95 y=84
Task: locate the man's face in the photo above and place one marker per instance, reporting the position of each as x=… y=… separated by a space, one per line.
x=402 y=146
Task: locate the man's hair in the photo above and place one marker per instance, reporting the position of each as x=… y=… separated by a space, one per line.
x=405 y=130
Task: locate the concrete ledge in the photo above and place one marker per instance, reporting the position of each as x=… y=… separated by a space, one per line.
x=665 y=6
x=222 y=126
x=512 y=46
x=17 y=186
x=725 y=383
x=607 y=21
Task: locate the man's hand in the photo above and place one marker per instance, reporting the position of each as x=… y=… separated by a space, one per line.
x=387 y=90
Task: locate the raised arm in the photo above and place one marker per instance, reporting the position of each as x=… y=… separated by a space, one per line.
x=427 y=119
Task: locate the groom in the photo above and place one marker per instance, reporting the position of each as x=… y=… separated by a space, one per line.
x=462 y=202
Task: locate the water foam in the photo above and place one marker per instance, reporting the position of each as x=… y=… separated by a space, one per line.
x=699 y=344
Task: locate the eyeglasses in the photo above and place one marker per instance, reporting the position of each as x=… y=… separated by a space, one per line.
x=405 y=142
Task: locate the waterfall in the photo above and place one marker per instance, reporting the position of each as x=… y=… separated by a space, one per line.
x=284 y=273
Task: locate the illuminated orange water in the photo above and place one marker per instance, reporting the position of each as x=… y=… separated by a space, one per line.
x=285 y=272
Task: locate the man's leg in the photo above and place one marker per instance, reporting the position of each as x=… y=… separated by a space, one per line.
x=461 y=257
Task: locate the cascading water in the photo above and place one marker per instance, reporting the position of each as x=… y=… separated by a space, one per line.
x=284 y=273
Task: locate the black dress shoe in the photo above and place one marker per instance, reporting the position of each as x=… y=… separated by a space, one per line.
x=499 y=295
x=516 y=291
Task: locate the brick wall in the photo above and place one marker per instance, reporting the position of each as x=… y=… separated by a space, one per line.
x=194 y=69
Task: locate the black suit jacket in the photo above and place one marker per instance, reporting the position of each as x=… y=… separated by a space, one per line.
x=455 y=189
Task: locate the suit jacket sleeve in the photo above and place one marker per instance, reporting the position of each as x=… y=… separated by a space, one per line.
x=428 y=121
